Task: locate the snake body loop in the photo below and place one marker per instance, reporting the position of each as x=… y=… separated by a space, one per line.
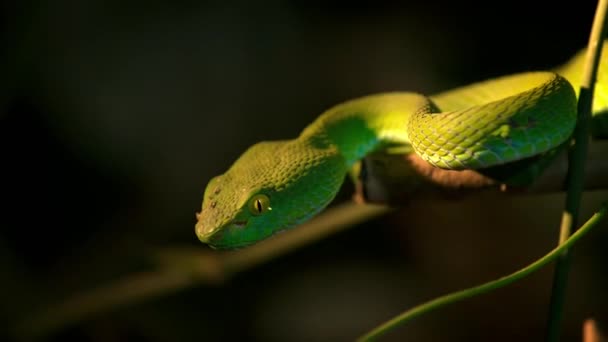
x=277 y=185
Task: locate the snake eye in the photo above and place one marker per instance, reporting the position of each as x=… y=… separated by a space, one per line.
x=259 y=204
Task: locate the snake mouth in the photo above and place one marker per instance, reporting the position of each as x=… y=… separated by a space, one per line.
x=215 y=240
x=239 y=223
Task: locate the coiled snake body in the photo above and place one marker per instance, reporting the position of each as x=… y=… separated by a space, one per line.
x=279 y=184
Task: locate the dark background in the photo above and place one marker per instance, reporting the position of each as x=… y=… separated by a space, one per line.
x=114 y=115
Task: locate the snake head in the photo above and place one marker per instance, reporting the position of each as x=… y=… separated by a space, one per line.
x=271 y=187
x=231 y=217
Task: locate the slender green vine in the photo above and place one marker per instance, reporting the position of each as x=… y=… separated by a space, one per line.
x=487 y=287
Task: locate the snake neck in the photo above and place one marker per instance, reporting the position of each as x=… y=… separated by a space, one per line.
x=358 y=127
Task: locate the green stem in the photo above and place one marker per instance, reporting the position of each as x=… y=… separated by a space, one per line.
x=487 y=287
x=576 y=169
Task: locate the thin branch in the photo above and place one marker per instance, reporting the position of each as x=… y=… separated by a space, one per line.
x=181 y=268
x=396 y=179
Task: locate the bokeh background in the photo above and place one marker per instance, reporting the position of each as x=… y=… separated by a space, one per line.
x=115 y=114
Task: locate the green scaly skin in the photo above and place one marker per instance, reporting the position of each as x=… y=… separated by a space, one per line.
x=277 y=185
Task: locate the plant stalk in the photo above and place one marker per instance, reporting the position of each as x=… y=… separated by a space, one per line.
x=576 y=170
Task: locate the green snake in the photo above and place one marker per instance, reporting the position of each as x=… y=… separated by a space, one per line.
x=277 y=185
